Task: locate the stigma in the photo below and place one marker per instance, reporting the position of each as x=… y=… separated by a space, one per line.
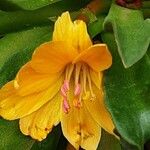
x=79 y=75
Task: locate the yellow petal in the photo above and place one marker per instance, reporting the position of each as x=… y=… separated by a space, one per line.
x=63 y=28
x=15 y=106
x=81 y=39
x=52 y=57
x=90 y=131
x=28 y=81
x=7 y=90
x=96 y=78
x=40 y=123
x=74 y=33
x=79 y=128
x=98 y=110
x=97 y=57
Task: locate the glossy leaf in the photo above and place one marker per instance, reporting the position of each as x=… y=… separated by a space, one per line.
x=131 y=33
x=127 y=95
x=11 y=138
x=28 y=4
x=96 y=27
x=108 y=142
x=25 y=4
x=17 y=20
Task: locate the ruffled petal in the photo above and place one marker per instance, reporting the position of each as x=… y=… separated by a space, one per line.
x=40 y=123
x=15 y=106
x=52 y=57
x=79 y=128
x=97 y=57
x=98 y=110
x=28 y=81
x=75 y=33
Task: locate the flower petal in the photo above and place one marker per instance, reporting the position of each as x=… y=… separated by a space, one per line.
x=96 y=78
x=15 y=106
x=90 y=131
x=7 y=90
x=81 y=39
x=97 y=57
x=63 y=28
x=75 y=33
x=52 y=57
x=98 y=110
x=28 y=81
x=40 y=123
x=79 y=128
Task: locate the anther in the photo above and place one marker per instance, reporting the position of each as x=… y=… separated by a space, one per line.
x=77 y=103
x=63 y=91
x=66 y=106
x=66 y=85
x=93 y=97
x=77 y=90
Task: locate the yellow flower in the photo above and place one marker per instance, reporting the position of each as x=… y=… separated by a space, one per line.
x=62 y=83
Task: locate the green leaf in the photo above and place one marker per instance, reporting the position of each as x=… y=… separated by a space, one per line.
x=131 y=33
x=11 y=138
x=25 y=4
x=127 y=95
x=96 y=27
x=108 y=142
x=17 y=20
x=146 y=13
x=62 y=143
x=16 y=49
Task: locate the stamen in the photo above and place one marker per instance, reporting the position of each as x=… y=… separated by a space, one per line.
x=66 y=85
x=90 y=86
x=63 y=91
x=77 y=90
x=78 y=99
x=69 y=71
x=77 y=73
x=87 y=95
x=66 y=106
x=84 y=78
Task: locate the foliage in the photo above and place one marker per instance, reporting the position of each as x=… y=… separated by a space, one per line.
x=26 y=24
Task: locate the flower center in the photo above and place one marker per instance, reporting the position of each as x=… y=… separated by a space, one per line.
x=80 y=74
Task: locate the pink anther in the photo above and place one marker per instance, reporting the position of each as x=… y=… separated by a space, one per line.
x=63 y=91
x=66 y=85
x=77 y=90
x=66 y=106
